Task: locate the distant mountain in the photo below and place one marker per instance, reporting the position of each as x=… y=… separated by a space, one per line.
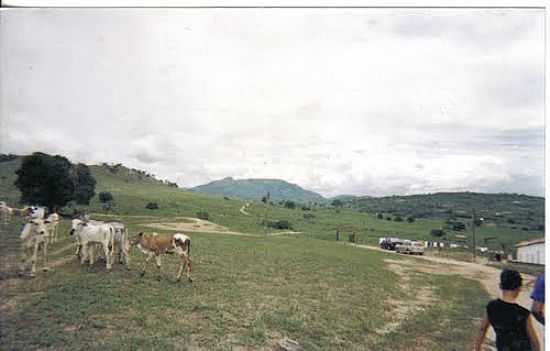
x=345 y=197
x=255 y=189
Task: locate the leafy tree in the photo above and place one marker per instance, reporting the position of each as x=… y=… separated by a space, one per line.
x=398 y=218
x=337 y=203
x=46 y=180
x=410 y=219
x=380 y=216
x=85 y=184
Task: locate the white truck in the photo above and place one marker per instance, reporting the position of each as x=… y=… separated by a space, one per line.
x=410 y=247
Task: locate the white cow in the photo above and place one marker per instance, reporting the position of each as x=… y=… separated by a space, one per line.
x=5 y=212
x=35 y=212
x=122 y=242
x=33 y=236
x=90 y=233
x=53 y=220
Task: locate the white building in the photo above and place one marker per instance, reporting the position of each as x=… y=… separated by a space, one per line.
x=531 y=251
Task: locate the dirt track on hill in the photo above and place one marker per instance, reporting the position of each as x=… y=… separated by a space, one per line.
x=486 y=275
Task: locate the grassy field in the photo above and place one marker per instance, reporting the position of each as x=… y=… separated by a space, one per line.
x=248 y=293
x=131 y=194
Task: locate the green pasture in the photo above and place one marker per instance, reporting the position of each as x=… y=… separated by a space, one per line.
x=248 y=293
x=132 y=194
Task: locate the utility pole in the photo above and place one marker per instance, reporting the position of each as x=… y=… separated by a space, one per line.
x=474 y=235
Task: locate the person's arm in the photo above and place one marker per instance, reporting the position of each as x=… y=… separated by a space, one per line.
x=533 y=338
x=537 y=308
x=482 y=331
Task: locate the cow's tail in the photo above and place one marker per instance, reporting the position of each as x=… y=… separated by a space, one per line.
x=189 y=247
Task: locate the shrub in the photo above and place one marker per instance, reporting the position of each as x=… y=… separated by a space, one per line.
x=152 y=206
x=290 y=204
x=410 y=219
x=202 y=215
x=309 y=215
x=281 y=224
x=388 y=218
x=380 y=216
x=437 y=232
x=105 y=197
x=398 y=218
x=225 y=198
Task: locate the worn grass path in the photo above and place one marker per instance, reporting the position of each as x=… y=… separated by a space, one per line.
x=488 y=276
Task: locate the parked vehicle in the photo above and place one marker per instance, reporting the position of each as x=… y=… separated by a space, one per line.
x=389 y=243
x=410 y=247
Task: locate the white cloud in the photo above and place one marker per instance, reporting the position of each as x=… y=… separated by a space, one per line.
x=364 y=101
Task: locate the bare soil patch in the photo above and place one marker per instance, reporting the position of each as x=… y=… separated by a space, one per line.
x=399 y=310
x=187 y=224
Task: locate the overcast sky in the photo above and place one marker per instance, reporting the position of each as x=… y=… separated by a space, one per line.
x=339 y=101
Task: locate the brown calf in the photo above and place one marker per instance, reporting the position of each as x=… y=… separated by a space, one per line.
x=155 y=245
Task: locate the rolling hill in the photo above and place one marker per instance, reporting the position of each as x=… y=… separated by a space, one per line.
x=509 y=217
x=255 y=189
x=514 y=210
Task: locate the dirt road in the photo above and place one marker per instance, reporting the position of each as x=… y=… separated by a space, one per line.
x=487 y=276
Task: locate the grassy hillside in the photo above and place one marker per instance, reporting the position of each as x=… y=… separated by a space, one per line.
x=255 y=189
x=131 y=193
x=512 y=210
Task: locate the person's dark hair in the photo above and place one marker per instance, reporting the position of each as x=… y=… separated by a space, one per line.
x=510 y=279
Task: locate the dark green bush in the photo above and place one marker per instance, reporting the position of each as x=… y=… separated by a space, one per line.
x=202 y=215
x=152 y=206
x=105 y=197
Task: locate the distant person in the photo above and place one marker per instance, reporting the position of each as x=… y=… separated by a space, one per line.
x=511 y=322
x=537 y=308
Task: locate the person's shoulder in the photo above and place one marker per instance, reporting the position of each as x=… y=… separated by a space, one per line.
x=522 y=310
x=493 y=303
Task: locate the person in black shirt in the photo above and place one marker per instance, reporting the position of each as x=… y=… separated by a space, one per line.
x=512 y=323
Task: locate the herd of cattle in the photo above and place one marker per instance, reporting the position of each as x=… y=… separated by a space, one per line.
x=92 y=238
